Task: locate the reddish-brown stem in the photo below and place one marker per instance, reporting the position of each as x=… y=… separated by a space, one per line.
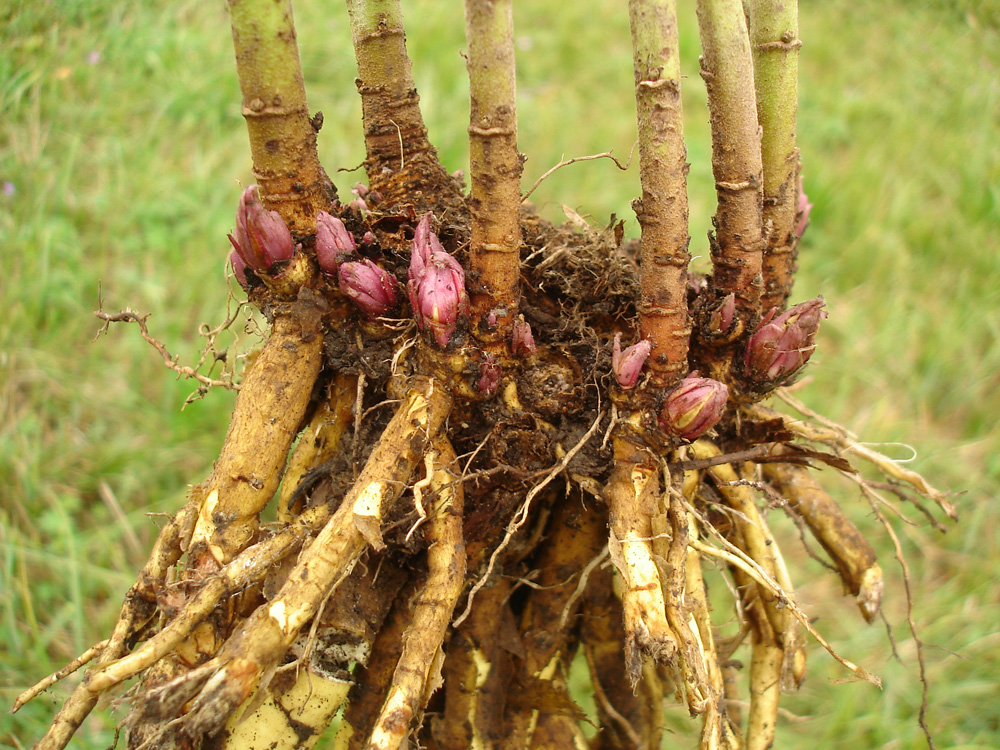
x=727 y=68
x=282 y=135
x=494 y=168
x=663 y=209
x=401 y=163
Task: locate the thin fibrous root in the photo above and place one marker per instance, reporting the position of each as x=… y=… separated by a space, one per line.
x=847 y=547
x=631 y=493
x=249 y=567
x=417 y=673
x=837 y=437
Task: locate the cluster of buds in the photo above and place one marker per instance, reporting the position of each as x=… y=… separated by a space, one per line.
x=436 y=285
x=261 y=238
x=782 y=344
x=371 y=288
x=627 y=365
x=693 y=407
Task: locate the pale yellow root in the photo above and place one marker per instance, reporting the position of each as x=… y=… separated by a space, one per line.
x=251 y=654
x=294 y=719
x=320 y=440
x=268 y=414
x=631 y=494
x=765 y=693
x=250 y=566
x=415 y=678
x=853 y=556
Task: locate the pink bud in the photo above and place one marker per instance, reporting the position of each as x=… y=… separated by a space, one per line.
x=489 y=376
x=782 y=344
x=239 y=269
x=804 y=209
x=371 y=288
x=261 y=236
x=626 y=365
x=437 y=285
x=693 y=407
x=359 y=205
x=333 y=242
x=522 y=341
x=360 y=189
x=721 y=320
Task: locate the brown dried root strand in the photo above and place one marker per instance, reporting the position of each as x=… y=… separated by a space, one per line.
x=573 y=538
x=268 y=414
x=477 y=672
x=837 y=437
x=631 y=494
x=627 y=719
x=320 y=441
x=137 y=609
x=417 y=673
x=847 y=547
x=250 y=656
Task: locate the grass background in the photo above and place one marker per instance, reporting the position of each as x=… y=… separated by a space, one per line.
x=122 y=152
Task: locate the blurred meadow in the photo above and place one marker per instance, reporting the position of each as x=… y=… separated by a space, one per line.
x=122 y=154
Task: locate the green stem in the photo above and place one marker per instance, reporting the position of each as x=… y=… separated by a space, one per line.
x=727 y=68
x=494 y=168
x=282 y=136
x=774 y=36
x=401 y=163
x=663 y=210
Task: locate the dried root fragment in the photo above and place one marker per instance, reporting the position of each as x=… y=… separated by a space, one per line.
x=628 y=719
x=850 y=551
x=540 y=707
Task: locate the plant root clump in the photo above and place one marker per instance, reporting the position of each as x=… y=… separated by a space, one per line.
x=495 y=445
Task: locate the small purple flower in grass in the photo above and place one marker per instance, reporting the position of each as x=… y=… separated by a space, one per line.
x=522 y=342
x=371 y=288
x=261 y=237
x=489 y=376
x=693 y=407
x=437 y=285
x=627 y=365
x=333 y=242
x=782 y=344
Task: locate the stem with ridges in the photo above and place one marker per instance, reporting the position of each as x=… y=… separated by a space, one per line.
x=494 y=169
x=663 y=210
x=727 y=68
x=282 y=135
x=774 y=39
x=401 y=163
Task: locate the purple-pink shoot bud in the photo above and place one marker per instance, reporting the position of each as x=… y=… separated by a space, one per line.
x=627 y=365
x=489 y=376
x=371 y=288
x=333 y=242
x=694 y=407
x=261 y=236
x=437 y=285
x=720 y=322
x=239 y=269
x=803 y=210
x=522 y=343
x=782 y=344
